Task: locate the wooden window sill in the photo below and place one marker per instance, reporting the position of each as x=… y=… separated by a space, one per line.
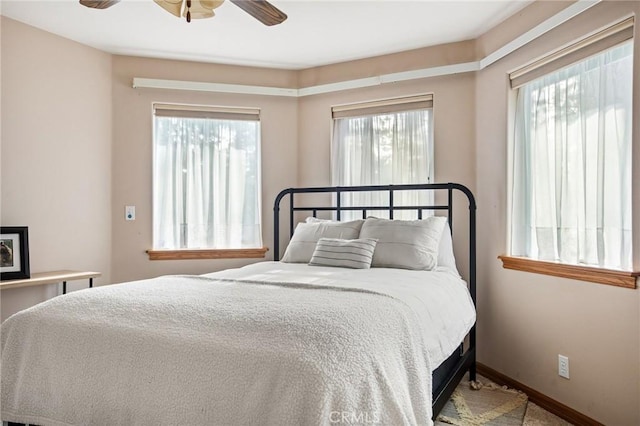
x=613 y=277
x=245 y=253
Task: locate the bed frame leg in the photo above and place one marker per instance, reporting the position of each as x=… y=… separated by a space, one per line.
x=474 y=383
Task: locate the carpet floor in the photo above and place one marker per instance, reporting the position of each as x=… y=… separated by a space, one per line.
x=493 y=405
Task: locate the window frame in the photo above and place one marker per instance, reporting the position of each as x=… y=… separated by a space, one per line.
x=381 y=107
x=214 y=112
x=593 y=44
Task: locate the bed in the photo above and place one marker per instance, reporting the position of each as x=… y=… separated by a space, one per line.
x=282 y=342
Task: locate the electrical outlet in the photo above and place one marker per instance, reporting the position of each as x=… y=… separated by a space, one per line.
x=563 y=366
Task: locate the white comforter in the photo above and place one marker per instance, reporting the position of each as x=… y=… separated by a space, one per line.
x=268 y=344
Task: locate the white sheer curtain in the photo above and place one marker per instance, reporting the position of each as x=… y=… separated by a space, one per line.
x=571 y=199
x=394 y=148
x=206 y=183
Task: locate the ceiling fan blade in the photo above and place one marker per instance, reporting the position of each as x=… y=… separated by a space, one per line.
x=98 y=4
x=262 y=10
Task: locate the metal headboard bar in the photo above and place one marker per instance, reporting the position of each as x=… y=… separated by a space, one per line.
x=291 y=225
x=450 y=205
x=316 y=208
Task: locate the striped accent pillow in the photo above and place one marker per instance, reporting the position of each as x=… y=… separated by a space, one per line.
x=356 y=254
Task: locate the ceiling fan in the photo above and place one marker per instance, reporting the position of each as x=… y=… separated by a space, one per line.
x=262 y=10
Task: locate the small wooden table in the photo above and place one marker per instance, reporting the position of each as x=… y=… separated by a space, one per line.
x=42 y=278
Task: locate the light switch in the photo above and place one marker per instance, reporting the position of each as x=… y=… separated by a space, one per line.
x=130 y=212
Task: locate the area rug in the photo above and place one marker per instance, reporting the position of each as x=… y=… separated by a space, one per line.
x=489 y=405
x=536 y=416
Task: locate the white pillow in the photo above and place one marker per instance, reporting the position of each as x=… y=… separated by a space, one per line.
x=356 y=254
x=306 y=236
x=405 y=244
x=312 y=219
x=446 y=257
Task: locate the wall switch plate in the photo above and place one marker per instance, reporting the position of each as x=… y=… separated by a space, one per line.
x=130 y=212
x=563 y=366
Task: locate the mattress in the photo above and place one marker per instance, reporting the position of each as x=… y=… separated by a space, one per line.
x=270 y=344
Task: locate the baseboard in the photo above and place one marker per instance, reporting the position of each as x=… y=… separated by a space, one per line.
x=549 y=404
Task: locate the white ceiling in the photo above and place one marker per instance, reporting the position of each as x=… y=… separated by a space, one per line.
x=317 y=32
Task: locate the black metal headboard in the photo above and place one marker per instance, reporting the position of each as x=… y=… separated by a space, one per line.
x=338 y=208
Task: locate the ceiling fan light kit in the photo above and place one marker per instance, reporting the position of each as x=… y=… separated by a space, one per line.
x=190 y=9
x=262 y=10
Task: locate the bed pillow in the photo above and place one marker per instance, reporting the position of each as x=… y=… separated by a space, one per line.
x=405 y=244
x=446 y=258
x=312 y=219
x=355 y=254
x=306 y=236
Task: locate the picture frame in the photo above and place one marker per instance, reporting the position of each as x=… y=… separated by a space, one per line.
x=14 y=253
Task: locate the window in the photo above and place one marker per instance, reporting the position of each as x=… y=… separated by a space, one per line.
x=206 y=178
x=380 y=143
x=571 y=162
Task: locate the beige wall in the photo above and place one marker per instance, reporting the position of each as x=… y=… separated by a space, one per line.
x=56 y=155
x=132 y=149
x=426 y=57
x=525 y=320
